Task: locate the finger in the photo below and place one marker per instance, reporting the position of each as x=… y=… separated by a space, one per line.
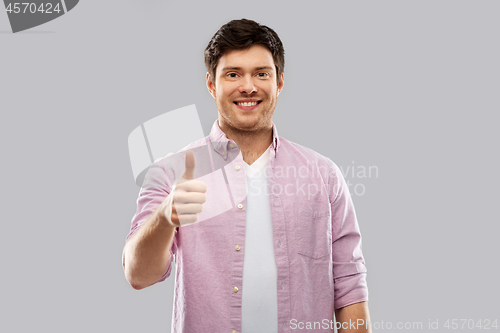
x=193 y=185
x=189 y=197
x=188 y=219
x=189 y=172
x=190 y=208
x=174 y=217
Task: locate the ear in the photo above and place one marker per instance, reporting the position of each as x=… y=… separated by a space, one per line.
x=210 y=85
x=281 y=83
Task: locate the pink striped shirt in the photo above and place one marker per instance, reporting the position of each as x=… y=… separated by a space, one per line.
x=317 y=241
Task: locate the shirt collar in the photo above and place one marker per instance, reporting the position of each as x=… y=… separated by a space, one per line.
x=221 y=143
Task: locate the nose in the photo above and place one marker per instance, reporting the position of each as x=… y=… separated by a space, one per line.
x=247 y=85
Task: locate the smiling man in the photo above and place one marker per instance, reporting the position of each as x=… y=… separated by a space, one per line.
x=284 y=258
x=248 y=85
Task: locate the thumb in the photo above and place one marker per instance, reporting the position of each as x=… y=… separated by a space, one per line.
x=189 y=173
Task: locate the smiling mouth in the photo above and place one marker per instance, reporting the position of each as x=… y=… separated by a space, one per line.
x=246 y=104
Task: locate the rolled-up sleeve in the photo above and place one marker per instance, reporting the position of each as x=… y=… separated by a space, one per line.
x=154 y=190
x=349 y=271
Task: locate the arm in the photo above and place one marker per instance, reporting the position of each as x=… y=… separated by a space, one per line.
x=349 y=271
x=146 y=253
x=353 y=318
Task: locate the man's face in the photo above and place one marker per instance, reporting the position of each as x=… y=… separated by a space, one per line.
x=246 y=89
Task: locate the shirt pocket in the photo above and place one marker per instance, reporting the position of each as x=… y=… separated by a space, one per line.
x=313 y=231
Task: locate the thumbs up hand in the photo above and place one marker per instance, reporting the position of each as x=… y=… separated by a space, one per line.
x=185 y=201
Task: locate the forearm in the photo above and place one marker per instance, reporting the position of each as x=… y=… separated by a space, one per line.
x=353 y=318
x=147 y=251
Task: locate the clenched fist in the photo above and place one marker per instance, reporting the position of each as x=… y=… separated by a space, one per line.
x=186 y=200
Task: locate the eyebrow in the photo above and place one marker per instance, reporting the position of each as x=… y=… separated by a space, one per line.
x=239 y=68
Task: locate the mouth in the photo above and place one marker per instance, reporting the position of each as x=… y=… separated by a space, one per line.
x=247 y=104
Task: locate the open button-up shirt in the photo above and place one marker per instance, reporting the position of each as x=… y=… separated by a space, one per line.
x=317 y=241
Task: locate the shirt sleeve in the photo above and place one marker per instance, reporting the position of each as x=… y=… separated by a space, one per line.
x=153 y=191
x=349 y=271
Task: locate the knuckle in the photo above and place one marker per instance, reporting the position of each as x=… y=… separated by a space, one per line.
x=179 y=197
x=190 y=197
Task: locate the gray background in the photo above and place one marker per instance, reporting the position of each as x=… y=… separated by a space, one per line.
x=408 y=86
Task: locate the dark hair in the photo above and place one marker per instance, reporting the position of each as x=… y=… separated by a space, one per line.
x=240 y=35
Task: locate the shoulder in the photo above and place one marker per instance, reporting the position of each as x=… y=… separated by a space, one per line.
x=299 y=154
x=170 y=167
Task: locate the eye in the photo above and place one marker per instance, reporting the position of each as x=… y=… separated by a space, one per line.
x=263 y=74
x=232 y=75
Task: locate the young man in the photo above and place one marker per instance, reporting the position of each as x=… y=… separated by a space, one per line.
x=282 y=251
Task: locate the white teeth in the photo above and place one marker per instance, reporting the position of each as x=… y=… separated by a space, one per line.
x=247 y=104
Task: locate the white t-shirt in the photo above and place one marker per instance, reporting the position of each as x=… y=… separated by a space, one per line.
x=259 y=291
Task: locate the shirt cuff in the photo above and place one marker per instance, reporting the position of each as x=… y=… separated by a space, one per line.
x=350 y=289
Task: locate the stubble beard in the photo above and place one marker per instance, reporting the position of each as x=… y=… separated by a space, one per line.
x=231 y=120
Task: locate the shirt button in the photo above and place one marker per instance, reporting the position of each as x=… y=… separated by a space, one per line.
x=237 y=248
x=231 y=145
x=234 y=331
x=235 y=289
x=223 y=153
x=237 y=167
x=240 y=206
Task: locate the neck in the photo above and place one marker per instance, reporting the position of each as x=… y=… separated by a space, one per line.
x=251 y=143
